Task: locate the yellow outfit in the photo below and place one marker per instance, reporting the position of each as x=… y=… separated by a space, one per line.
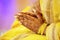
x=19 y=32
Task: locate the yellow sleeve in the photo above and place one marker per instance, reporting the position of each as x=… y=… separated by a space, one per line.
x=56 y=9
x=35 y=37
x=13 y=33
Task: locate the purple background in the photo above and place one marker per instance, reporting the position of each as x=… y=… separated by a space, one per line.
x=7 y=10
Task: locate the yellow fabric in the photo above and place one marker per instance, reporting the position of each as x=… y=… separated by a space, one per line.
x=57 y=31
x=53 y=31
x=19 y=31
x=15 y=24
x=10 y=34
x=56 y=9
x=35 y=37
x=42 y=28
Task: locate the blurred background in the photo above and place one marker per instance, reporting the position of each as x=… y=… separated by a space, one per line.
x=7 y=11
x=8 y=8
